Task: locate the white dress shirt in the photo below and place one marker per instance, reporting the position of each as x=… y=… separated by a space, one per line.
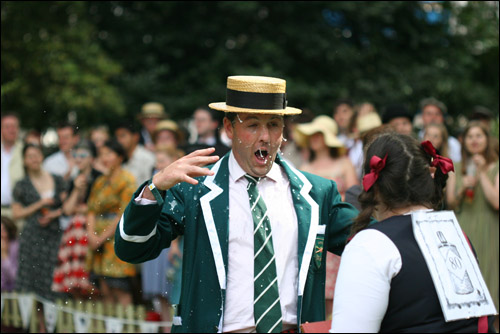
x=141 y=164
x=57 y=164
x=275 y=190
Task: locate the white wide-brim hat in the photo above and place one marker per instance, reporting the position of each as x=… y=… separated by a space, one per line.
x=256 y=95
x=324 y=124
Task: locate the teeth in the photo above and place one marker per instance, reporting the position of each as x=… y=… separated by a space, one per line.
x=261 y=153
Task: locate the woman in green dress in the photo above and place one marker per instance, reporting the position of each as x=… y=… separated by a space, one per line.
x=473 y=193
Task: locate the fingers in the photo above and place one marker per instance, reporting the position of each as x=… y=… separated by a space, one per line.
x=186 y=169
x=201 y=157
x=205 y=151
x=200 y=153
x=193 y=172
x=202 y=160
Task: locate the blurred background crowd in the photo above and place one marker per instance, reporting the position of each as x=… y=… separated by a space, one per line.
x=99 y=96
x=61 y=205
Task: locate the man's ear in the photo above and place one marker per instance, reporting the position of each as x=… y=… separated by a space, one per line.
x=228 y=126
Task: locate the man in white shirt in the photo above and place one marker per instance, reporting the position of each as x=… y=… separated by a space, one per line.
x=62 y=162
x=151 y=114
x=12 y=160
x=255 y=229
x=140 y=160
x=207 y=125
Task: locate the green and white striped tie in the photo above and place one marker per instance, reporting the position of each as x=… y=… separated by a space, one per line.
x=266 y=305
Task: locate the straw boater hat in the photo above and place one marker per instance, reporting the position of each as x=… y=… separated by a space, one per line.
x=152 y=110
x=324 y=124
x=256 y=95
x=170 y=126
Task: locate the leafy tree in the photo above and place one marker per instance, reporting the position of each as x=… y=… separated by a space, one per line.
x=377 y=51
x=180 y=53
x=52 y=64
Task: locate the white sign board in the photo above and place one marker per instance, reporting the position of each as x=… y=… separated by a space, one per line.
x=458 y=281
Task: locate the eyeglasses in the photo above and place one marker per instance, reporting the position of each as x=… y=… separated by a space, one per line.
x=82 y=155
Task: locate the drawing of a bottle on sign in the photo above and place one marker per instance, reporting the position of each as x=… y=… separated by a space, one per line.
x=458 y=275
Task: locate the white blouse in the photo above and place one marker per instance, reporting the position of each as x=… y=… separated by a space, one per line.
x=368 y=264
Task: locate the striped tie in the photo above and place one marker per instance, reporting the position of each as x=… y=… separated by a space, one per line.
x=266 y=305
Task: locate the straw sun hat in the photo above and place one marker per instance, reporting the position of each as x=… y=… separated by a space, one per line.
x=257 y=95
x=152 y=110
x=170 y=126
x=324 y=124
x=368 y=121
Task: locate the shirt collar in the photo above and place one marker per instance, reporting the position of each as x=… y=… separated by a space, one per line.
x=236 y=172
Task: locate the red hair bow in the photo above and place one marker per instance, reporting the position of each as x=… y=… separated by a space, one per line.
x=376 y=165
x=445 y=164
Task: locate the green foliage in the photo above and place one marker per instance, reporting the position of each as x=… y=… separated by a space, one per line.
x=51 y=64
x=117 y=54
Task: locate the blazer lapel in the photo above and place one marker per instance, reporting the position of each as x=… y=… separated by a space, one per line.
x=307 y=211
x=215 y=209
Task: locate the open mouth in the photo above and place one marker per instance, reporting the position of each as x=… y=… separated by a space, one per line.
x=261 y=156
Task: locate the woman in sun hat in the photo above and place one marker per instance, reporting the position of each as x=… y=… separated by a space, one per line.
x=327 y=153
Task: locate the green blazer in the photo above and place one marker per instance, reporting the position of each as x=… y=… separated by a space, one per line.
x=201 y=214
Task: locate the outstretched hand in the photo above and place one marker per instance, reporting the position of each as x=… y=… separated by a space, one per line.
x=185 y=169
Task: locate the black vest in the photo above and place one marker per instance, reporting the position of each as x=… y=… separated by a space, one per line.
x=413 y=302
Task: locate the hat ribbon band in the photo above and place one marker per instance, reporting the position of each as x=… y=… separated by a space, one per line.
x=252 y=100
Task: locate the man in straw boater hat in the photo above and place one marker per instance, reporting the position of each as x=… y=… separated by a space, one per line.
x=255 y=228
x=151 y=114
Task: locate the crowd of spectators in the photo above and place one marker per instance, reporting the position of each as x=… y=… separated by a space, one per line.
x=60 y=211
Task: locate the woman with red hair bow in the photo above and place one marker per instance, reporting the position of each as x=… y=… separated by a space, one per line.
x=384 y=284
